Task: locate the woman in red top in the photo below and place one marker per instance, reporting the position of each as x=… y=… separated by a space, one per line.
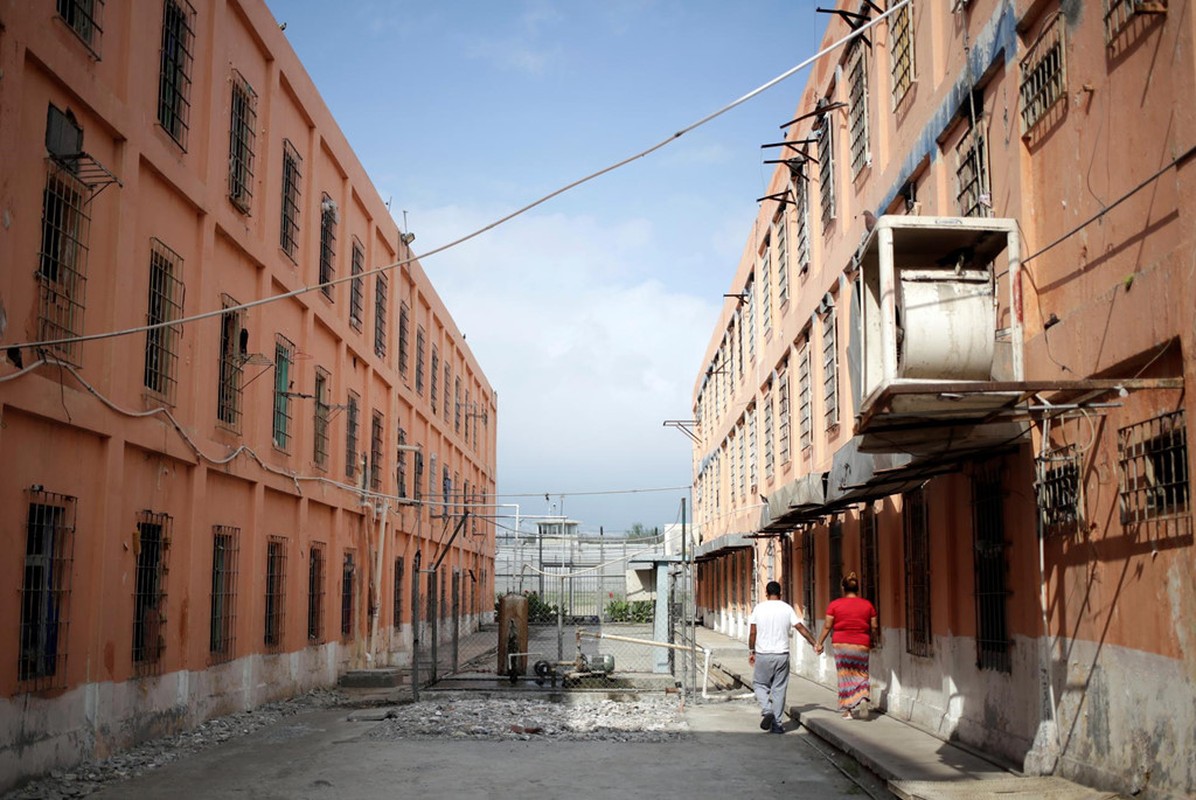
x=853 y=621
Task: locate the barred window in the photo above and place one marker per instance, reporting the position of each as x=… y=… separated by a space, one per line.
x=834 y=560
x=448 y=379
x=376 y=429
x=971 y=174
x=917 y=573
x=328 y=217
x=152 y=547
x=783 y=446
x=276 y=591
x=232 y=363
x=62 y=260
x=46 y=590
x=380 y=289
x=315 y=592
x=433 y=387
x=1058 y=490
x=85 y=18
x=223 y=620
x=320 y=420
x=357 y=287
x=765 y=290
x=780 y=244
x=165 y=306
x=174 y=78
x=456 y=405
x=348 y=594
x=446 y=485
x=901 y=52
x=830 y=368
x=351 y=423
x=826 y=169
x=748 y=328
x=857 y=107
x=242 y=136
x=741 y=483
x=869 y=556
x=418 y=478
x=468 y=413
x=419 y=360
x=291 y=178
x=1153 y=461
x=404 y=324
x=752 y=451
x=801 y=193
x=284 y=356
x=1120 y=15
x=804 y=409
x=808 y=595
x=991 y=565
x=767 y=432
x=401 y=463
x=1044 y=74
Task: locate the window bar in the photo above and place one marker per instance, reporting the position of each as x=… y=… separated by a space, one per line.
x=232 y=365
x=901 y=68
x=807 y=578
x=357 y=286
x=328 y=215
x=830 y=369
x=434 y=385
x=348 y=572
x=1153 y=461
x=917 y=574
x=1058 y=491
x=276 y=588
x=1044 y=75
x=404 y=324
x=241 y=140
x=174 y=80
x=858 y=108
x=62 y=260
x=869 y=556
x=376 y=425
x=419 y=360
x=805 y=412
x=321 y=418
x=223 y=625
x=835 y=559
x=315 y=592
x=151 y=547
x=291 y=177
x=46 y=590
x=398 y=594
x=992 y=634
x=165 y=305
x=284 y=354
x=85 y=18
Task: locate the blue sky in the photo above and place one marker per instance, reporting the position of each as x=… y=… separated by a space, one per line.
x=591 y=313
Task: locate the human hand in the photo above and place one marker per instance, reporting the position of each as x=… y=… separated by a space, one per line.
x=752 y=659
x=818 y=649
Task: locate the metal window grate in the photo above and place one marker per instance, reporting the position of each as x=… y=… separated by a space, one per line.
x=1058 y=491
x=869 y=556
x=446 y=484
x=417 y=479
x=747 y=329
x=165 y=305
x=376 y=426
x=752 y=451
x=780 y=244
x=783 y=446
x=767 y=433
x=1153 y=461
x=174 y=78
x=801 y=190
x=830 y=369
x=276 y=592
x=992 y=596
x=62 y=260
x=1120 y=14
x=419 y=360
x=46 y=590
x=223 y=620
x=857 y=107
x=232 y=365
x=917 y=573
x=765 y=289
x=328 y=215
x=242 y=138
x=901 y=52
x=351 y=423
x=348 y=575
x=397 y=598
x=834 y=562
x=1044 y=74
x=826 y=169
x=804 y=411
x=320 y=419
x=315 y=592
x=284 y=356
x=85 y=18
x=291 y=178
x=380 y=316
x=434 y=384
x=808 y=596
x=456 y=404
x=404 y=324
x=741 y=484
x=357 y=286
x=401 y=464
x=152 y=548
x=469 y=412
x=971 y=175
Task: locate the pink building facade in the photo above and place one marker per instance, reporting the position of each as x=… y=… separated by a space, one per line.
x=201 y=516
x=1024 y=531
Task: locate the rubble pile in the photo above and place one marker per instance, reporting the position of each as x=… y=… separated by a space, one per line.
x=646 y=719
x=89 y=777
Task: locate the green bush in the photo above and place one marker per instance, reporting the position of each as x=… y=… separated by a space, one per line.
x=538 y=611
x=633 y=611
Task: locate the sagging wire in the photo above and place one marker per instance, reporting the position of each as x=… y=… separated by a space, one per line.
x=484 y=229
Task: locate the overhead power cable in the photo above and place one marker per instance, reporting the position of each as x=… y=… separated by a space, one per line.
x=91 y=337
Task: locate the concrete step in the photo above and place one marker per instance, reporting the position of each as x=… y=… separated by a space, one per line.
x=381 y=678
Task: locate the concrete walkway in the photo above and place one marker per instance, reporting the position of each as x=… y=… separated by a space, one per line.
x=916 y=764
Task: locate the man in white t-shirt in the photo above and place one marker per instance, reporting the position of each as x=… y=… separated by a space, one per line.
x=768 y=653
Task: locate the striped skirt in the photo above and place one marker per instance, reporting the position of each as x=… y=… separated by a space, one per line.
x=851 y=662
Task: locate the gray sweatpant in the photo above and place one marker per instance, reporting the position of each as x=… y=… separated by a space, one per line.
x=770 y=680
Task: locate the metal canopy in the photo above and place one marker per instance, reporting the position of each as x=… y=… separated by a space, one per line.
x=722 y=544
x=792 y=503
